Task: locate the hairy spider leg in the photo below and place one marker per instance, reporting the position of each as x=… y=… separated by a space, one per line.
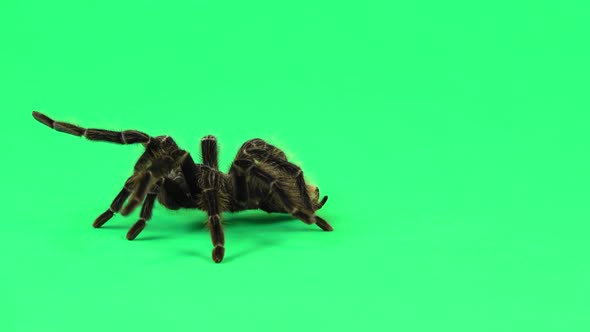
x=161 y=156
x=153 y=178
x=136 y=184
x=117 y=203
x=241 y=192
x=288 y=168
x=263 y=151
x=257 y=143
x=146 y=211
x=143 y=184
x=240 y=186
x=211 y=181
x=249 y=167
x=119 y=137
x=210 y=151
x=322 y=202
x=190 y=170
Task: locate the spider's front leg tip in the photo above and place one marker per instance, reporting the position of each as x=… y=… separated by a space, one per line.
x=102 y=219
x=218 y=253
x=44 y=119
x=37 y=115
x=323 y=224
x=135 y=229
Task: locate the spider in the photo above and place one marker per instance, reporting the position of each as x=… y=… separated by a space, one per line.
x=260 y=177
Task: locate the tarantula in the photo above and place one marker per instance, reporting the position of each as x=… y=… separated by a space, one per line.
x=260 y=177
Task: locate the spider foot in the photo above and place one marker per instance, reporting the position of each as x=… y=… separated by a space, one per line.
x=322 y=202
x=103 y=218
x=323 y=224
x=135 y=229
x=218 y=253
x=312 y=219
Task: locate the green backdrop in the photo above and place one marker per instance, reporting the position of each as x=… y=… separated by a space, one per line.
x=451 y=137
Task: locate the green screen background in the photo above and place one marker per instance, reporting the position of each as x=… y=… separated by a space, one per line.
x=451 y=137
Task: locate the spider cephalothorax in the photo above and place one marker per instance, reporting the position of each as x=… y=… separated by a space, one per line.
x=259 y=178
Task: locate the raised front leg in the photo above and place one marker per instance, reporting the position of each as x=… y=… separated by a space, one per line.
x=119 y=137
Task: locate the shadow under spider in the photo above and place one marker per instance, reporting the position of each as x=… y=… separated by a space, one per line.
x=152 y=237
x=246 y=226
x=239 y=223
x=115 y=226
x=233 y=220
x=230 y=221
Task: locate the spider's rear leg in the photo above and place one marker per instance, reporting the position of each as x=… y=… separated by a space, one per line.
x=146 y=211
x=248 y=150
x=322 y=202
x=312 y=219
x=299 y=212
x=117 y=203
x=314 y=193
x=294 y=171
